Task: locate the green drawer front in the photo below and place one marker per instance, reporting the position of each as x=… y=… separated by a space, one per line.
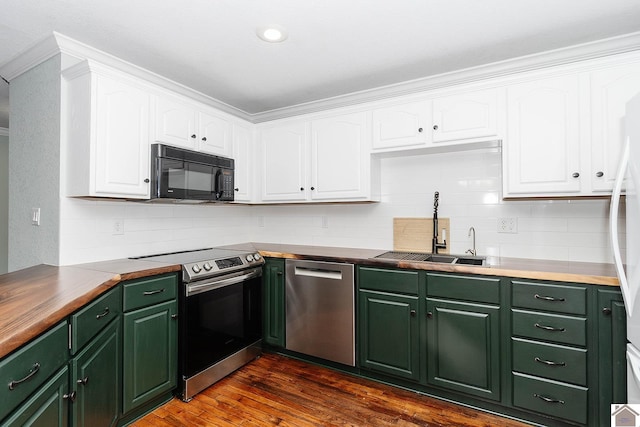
x=467 y=288
x=550 y=361
x=552 y=398
x=149 y=291
x=378 y=279
x=86 y=323
x=549 y=297
x=550 y=327
x=30 y=366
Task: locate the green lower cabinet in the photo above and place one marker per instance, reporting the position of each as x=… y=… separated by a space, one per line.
x=612 y=346
x=47 y=407
x=274 y=302
x=150 y=353
x=389 y=333
x=95 y=376
x=463 y=347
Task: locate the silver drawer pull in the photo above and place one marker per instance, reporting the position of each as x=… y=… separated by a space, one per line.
x=157 y=291
x=536 y=296
x=32 y=372
x=549 y=328
x=104 y=313
x=549 y=362
x=548 y=399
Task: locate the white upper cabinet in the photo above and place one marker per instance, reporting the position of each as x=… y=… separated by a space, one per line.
x=610 y=89
x=340 y=158
x=465 y=116
x=453 y=119
x=107 y=145
x=186 y=124
x=214 y=134
x=402 y=126
x=242 y=152
x=284 y=162
x=541 y=155
x=176 y=123
x=323 y=159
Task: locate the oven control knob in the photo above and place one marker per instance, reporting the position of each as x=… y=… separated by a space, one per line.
x=207 y=266
x=196 y=268
x=256 y=256
x=249 y=257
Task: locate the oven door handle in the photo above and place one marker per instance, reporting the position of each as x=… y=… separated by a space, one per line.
x=196 y=288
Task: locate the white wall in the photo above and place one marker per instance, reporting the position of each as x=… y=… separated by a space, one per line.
x=34 y=165
x=4 y=199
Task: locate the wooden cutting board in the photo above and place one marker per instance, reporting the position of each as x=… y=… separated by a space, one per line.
x=415 y=234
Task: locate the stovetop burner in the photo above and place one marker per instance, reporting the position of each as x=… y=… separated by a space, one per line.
x=199 y=264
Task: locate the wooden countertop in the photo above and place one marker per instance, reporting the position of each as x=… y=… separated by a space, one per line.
x=561 y=271
x=36 y=298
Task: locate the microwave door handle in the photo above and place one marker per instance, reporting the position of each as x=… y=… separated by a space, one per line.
x=218 y=184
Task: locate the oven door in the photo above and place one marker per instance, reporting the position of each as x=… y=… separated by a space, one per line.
x=181 y=179
x=219 y=318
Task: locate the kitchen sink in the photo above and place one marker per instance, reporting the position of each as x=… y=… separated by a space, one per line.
x=439 y=258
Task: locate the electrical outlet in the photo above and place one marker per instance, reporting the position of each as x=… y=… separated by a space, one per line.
x=35 y=216
x=507 y=225
x=325 y=222
x=118 y=227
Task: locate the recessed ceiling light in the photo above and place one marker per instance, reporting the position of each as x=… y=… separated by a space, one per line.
x=272 y=34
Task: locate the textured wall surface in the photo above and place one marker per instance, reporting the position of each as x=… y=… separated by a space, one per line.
x=4 y=200
x=34 y=165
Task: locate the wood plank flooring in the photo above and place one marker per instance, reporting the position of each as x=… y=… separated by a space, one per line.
x=278 y=391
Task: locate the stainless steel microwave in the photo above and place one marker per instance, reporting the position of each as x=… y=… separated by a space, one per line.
x=182 y=174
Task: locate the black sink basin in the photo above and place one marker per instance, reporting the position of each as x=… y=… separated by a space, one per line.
x=440 y=258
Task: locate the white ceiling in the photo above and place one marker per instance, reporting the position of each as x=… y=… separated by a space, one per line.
x=334 y=46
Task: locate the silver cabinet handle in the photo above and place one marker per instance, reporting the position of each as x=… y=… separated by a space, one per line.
x=549 y=362
x=83 y=381
x=575 y=175
x=536 y=296
x=157 y=291
x=104 y=313
x=34 y=370
x=549 y=328
x=548 y=399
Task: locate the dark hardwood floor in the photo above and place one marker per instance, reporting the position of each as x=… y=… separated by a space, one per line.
x=279 y=391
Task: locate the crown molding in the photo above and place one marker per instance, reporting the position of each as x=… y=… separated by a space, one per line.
x=4 y=132
x=59 y=43
x=563 y=56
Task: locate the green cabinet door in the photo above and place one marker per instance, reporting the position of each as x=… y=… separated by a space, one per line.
x=95 y=376
x=150 y=353
x=463 y=347
x=47 y=407
x=274 y=302
x=612 y=346
x=389 y=333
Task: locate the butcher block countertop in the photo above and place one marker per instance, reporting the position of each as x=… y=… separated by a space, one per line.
x=36 y=298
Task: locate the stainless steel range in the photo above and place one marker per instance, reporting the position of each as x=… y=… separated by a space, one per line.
x=220 y=303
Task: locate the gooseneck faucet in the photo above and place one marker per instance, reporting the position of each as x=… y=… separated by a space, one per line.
x=472 y=234
x=434 y=242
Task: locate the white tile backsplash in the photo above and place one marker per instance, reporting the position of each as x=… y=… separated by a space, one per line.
x=470 y=195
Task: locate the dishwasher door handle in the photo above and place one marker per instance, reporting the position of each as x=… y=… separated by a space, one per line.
x=316 y=272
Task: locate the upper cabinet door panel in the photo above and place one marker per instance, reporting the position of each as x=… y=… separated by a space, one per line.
x=284 y=162
x=611 y=89
x=464 y=116
x=542 y=152
x=405 y=125
x=122 y=132
x=214 y=135
x=339 y=157
x=175 y=123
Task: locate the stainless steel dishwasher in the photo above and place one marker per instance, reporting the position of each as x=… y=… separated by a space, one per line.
x=320 y=310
